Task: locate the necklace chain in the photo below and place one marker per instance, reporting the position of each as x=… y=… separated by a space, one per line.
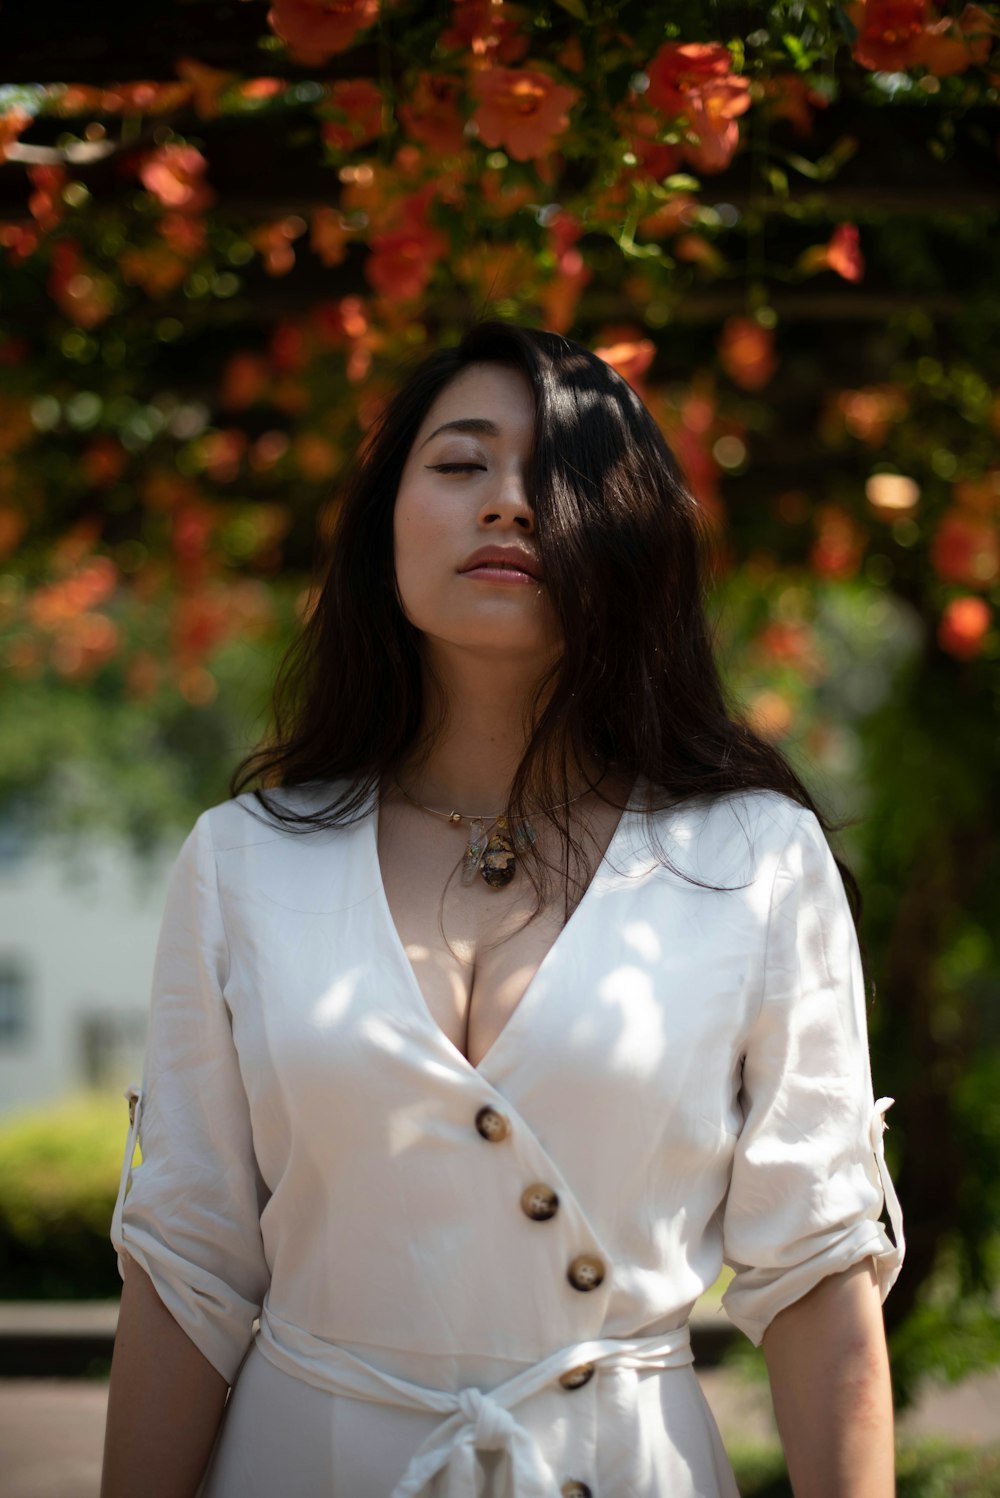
x=467 y=816
x=493 y=854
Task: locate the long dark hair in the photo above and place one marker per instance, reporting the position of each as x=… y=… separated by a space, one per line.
x=623 y=544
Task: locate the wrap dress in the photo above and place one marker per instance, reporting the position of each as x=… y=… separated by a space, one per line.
x=428 y=1279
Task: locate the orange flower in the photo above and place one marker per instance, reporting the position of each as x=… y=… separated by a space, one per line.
x=953 y=44
x=521 y=110
x=46 y=202
x=495 y=270
x=402 y=262
x=888 y=32
x=790 y=97
x=746 y=352
x=679 y=212
x=19 y=240
x=85 y=295
x=982 y=494
x=695 y=79
x=244 y=380
x=314 y=30
x=841 y=253
x=12 y=124
x=156 y=268
x=867 y=413
x=964 y=549
x=487 y=29
x=360 y=103
x=174 y=174
x=261 y=88
x=103 y=461
x=654 y=159
x=840 y=544
x=628 y=353
x=895 y=34
x=330 y=236
x=206 y=84
x=274 y=242
x=963 y=627
x=433 y=116
x=771 y=713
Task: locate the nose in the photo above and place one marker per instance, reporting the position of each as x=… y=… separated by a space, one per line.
x=509 y=502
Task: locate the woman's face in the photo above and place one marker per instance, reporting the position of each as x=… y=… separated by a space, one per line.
x=464 y=488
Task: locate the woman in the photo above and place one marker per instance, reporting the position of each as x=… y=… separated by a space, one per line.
x=525 y=995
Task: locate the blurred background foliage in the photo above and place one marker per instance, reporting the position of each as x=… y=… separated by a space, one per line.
x=222 y=237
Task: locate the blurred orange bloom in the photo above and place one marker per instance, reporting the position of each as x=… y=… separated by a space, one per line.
x=695 y=79
x=963 y=627
x=402 y=262
x=315 y=29
x=521 y=110
x=329 y=237
x=46 y=202
x=206 y=84
x=896 y=34
x=839 y=545
x=174 y=174
x=630 y=357
x=746 y=352
x=964 y=549
x=841 y=253
x=12 y=124
x=487 y=29
x=433 y=115
x=361 y=102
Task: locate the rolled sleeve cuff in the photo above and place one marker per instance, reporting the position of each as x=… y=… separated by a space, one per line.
x=756 y=1295
x=213 y=1315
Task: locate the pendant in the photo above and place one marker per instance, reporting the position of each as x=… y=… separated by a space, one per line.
x=475 y=848
x=498 y=862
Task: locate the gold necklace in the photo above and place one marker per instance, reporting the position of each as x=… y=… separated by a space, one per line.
x=493 y=855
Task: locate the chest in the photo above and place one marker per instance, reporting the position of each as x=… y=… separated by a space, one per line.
x=474 y=950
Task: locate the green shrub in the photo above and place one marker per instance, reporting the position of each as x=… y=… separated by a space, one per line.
x=59 y=1172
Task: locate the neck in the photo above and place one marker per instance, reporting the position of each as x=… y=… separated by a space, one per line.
x=466 y=756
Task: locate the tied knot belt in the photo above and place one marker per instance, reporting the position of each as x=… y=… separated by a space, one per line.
x=471 y=1419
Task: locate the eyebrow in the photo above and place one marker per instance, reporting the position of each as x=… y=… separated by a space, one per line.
x=480 y=425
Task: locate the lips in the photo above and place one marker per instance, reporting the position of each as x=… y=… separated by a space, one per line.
x=513 y=558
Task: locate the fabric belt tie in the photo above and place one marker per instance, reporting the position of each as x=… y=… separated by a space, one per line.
x=472 y=1420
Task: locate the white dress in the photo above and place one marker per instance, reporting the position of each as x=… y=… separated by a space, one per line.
x=475 y=1282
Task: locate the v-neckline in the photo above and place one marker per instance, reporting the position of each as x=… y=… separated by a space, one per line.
x=600 y=877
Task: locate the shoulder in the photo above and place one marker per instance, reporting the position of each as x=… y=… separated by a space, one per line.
x=246 y=820
x=736 y=838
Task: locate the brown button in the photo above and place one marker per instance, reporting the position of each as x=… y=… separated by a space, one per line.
x=539 y=1202
x=575 y=1378
x=492 y=1125
x=575 y=1489
x=585 y=1272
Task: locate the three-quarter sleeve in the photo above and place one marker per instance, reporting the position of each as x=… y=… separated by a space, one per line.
x=189 y=1213
x=809 y=1178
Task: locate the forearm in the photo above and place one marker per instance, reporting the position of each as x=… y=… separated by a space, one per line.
x=165 y=1401
x=829 y=1371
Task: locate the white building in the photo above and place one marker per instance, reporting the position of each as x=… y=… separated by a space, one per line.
x=78 y=931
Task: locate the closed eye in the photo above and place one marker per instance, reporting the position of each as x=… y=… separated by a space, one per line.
x=455 y=467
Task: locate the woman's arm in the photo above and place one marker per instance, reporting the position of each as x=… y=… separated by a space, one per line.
x=829 y=1371
x=164 y=1404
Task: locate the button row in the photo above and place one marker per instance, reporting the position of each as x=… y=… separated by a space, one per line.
x=540 y=1202
x=586 y=1271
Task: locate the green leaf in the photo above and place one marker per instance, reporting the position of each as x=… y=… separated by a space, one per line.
x=576 y=8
